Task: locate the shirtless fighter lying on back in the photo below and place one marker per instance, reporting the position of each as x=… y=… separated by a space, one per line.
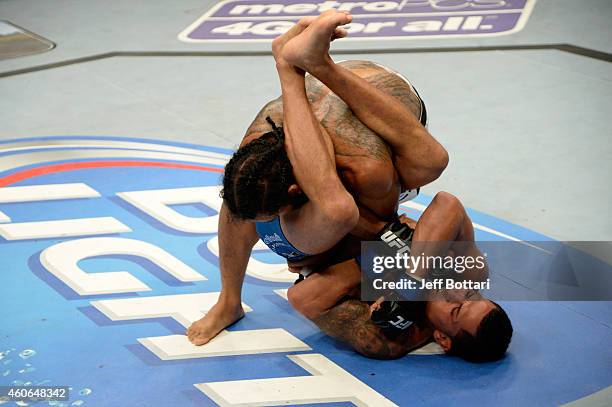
x=261 y=181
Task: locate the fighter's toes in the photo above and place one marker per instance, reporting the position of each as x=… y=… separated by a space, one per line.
x=339 y=33
x=200 y=340
x=336 y=18
x=306 y=21
x=197 y=337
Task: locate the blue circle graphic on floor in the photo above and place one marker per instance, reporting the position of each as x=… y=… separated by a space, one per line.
x=109 y=249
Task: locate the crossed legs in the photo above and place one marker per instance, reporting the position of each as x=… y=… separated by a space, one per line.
x=422 y=159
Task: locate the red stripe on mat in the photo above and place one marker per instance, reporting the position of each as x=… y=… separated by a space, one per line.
x=50 y=169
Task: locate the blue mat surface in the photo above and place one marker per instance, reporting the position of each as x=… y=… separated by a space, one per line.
x=560 y=352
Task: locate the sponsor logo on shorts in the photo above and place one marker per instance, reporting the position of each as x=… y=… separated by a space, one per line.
x=268 y=239
x=262 y=20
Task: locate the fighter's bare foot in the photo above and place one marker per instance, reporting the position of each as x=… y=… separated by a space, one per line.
x=280 y=41
x=310 y=49
x=218 y=318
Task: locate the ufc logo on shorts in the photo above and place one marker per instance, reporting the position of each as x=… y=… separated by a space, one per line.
x=401 y=323
x=393 y=241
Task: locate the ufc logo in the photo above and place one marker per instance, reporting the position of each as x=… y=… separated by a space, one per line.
x=401 y=323
x=393 y=241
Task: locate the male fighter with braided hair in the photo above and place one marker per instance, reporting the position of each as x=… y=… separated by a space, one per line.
x=476 y=330
x=261 y=164
x=344 y=172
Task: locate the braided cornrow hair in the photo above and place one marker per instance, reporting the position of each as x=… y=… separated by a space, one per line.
x=258 y=176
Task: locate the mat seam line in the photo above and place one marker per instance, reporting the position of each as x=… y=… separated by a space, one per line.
x=569 y=48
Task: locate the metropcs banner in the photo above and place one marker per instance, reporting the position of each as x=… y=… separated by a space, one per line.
x=262 y=20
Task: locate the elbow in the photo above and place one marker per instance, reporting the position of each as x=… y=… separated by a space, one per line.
x=342 y=212
x=382 y=353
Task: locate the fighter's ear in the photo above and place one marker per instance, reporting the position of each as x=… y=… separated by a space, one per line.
x=294 y=189
x=443 y=340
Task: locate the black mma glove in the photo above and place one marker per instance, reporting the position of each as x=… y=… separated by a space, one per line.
x=397 y=236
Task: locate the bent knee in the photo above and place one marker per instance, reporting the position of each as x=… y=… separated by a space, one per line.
x=304 y=302
x=417 y=171
x=448 y=201
x=294 y=296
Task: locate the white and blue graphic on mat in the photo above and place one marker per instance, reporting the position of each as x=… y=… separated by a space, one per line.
x=109 y=250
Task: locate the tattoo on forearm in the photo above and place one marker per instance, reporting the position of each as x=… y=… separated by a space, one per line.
x=350 y=322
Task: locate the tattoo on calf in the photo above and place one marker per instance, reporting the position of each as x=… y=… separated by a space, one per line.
x=349 y=135
x=398 y=88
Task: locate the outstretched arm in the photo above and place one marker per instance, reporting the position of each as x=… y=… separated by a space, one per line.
x=331 y=211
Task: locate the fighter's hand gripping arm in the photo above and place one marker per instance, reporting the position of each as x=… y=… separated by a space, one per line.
x=330 y=210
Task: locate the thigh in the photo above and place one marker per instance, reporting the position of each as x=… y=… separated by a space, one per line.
x=322 y=290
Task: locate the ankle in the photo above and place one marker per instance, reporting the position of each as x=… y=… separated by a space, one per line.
x=327 y=67
x=229 y=301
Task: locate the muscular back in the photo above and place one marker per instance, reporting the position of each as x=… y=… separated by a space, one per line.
x=363 y=159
